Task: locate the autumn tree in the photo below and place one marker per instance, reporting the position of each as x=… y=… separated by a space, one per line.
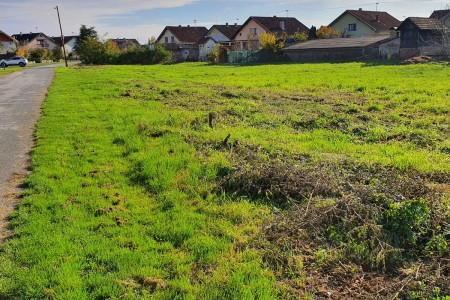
x=325 y=32
x=269 y=42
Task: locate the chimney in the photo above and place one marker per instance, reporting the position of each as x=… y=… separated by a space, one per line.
x=360 y=9
x=226 y=24
x=189 y=25
x=179 y=25
x=235 y=24
x=274 y=16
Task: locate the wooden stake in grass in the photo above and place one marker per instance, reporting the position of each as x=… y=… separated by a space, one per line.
x=211 y=117
x=225 y=141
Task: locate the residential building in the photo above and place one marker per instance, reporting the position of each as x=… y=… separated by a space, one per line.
x=182 y=41
x=423 y=36
x=360 y=23
x=443 y=15
x=36 y=40
x=69 y=44
x=7 y=43
x=247 y=37
x=216 y=35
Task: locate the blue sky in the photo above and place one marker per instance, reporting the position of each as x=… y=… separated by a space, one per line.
x=143 y=19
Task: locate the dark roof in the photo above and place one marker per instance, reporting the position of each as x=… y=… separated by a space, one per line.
x=186 y=34
x=227 y=30
x=66 y=39
x=361 y=42
x=424 y=23
x=26 y=37
x=378 y=20
x=204 y=40
x=5 y=38
x=273 y=25
x=440 y=14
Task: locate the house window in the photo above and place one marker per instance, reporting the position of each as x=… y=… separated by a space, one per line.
x=41 y=43
x=166 y=39
x=352 y=27
x=253 y=31
x=172 y=39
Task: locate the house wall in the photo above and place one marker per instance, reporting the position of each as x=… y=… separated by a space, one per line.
x=36 y=43
x=245 y=40
x=205 y=49
x=218 y=36
x=169 y=35
x=70 y=45
x=7 y=47
x=361 y=28
x=390 y=49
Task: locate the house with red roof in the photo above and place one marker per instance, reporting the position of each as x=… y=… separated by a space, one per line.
x=360 y=23
x=182 y=41
x=247 y=37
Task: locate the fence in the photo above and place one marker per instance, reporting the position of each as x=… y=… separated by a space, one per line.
x=251 y=57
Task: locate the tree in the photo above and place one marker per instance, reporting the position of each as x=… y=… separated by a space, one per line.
x=312 y=34
x=325 y=32
x=22 y=51
x=57 y=54
x=86 y=32
x=270 y=43
x=300 y=36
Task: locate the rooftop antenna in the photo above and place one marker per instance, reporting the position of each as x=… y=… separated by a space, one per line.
x=36 y=28
x=376 y=7
x=237 y=20
x=195 y=23
x=287 y=13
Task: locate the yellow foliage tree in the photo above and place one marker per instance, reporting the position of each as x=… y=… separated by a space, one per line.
x=269 y=42
x=325 y=32
x=22 y=51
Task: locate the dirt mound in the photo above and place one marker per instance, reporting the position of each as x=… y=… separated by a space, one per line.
x=422 y=59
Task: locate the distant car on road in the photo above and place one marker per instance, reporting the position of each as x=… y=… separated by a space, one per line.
x=16 y=60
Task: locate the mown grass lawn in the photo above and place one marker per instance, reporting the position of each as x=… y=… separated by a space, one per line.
x=159 y=182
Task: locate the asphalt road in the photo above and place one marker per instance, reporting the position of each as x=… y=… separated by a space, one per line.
x=21 y=96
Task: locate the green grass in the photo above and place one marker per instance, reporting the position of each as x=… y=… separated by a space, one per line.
x=124 y=200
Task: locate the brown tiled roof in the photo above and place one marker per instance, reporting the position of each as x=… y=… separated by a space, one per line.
x=440 y=14
x=378 y=20
x=425 y=23
x=186 y=34
x=5 y=38
x=361 y=42
x=228 y=30
x=273 y=25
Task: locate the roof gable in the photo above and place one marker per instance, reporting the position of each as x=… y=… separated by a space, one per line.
x=440 y=14
x=424 y=23
x=275 y=25
x=66 y=39
x=186 y=34
x=377 y=20
x=227 y=30
x=5 y=38
x=28 y=37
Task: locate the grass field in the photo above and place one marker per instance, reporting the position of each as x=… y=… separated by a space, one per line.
x=195 y=181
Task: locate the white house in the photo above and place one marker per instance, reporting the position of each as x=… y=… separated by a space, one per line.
x=216 y=35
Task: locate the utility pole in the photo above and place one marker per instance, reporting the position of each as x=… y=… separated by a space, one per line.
x=62 y=36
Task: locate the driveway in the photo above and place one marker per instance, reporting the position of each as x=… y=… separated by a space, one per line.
x=21 y=96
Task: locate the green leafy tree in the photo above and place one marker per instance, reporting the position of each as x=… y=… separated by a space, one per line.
x=57 y=54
